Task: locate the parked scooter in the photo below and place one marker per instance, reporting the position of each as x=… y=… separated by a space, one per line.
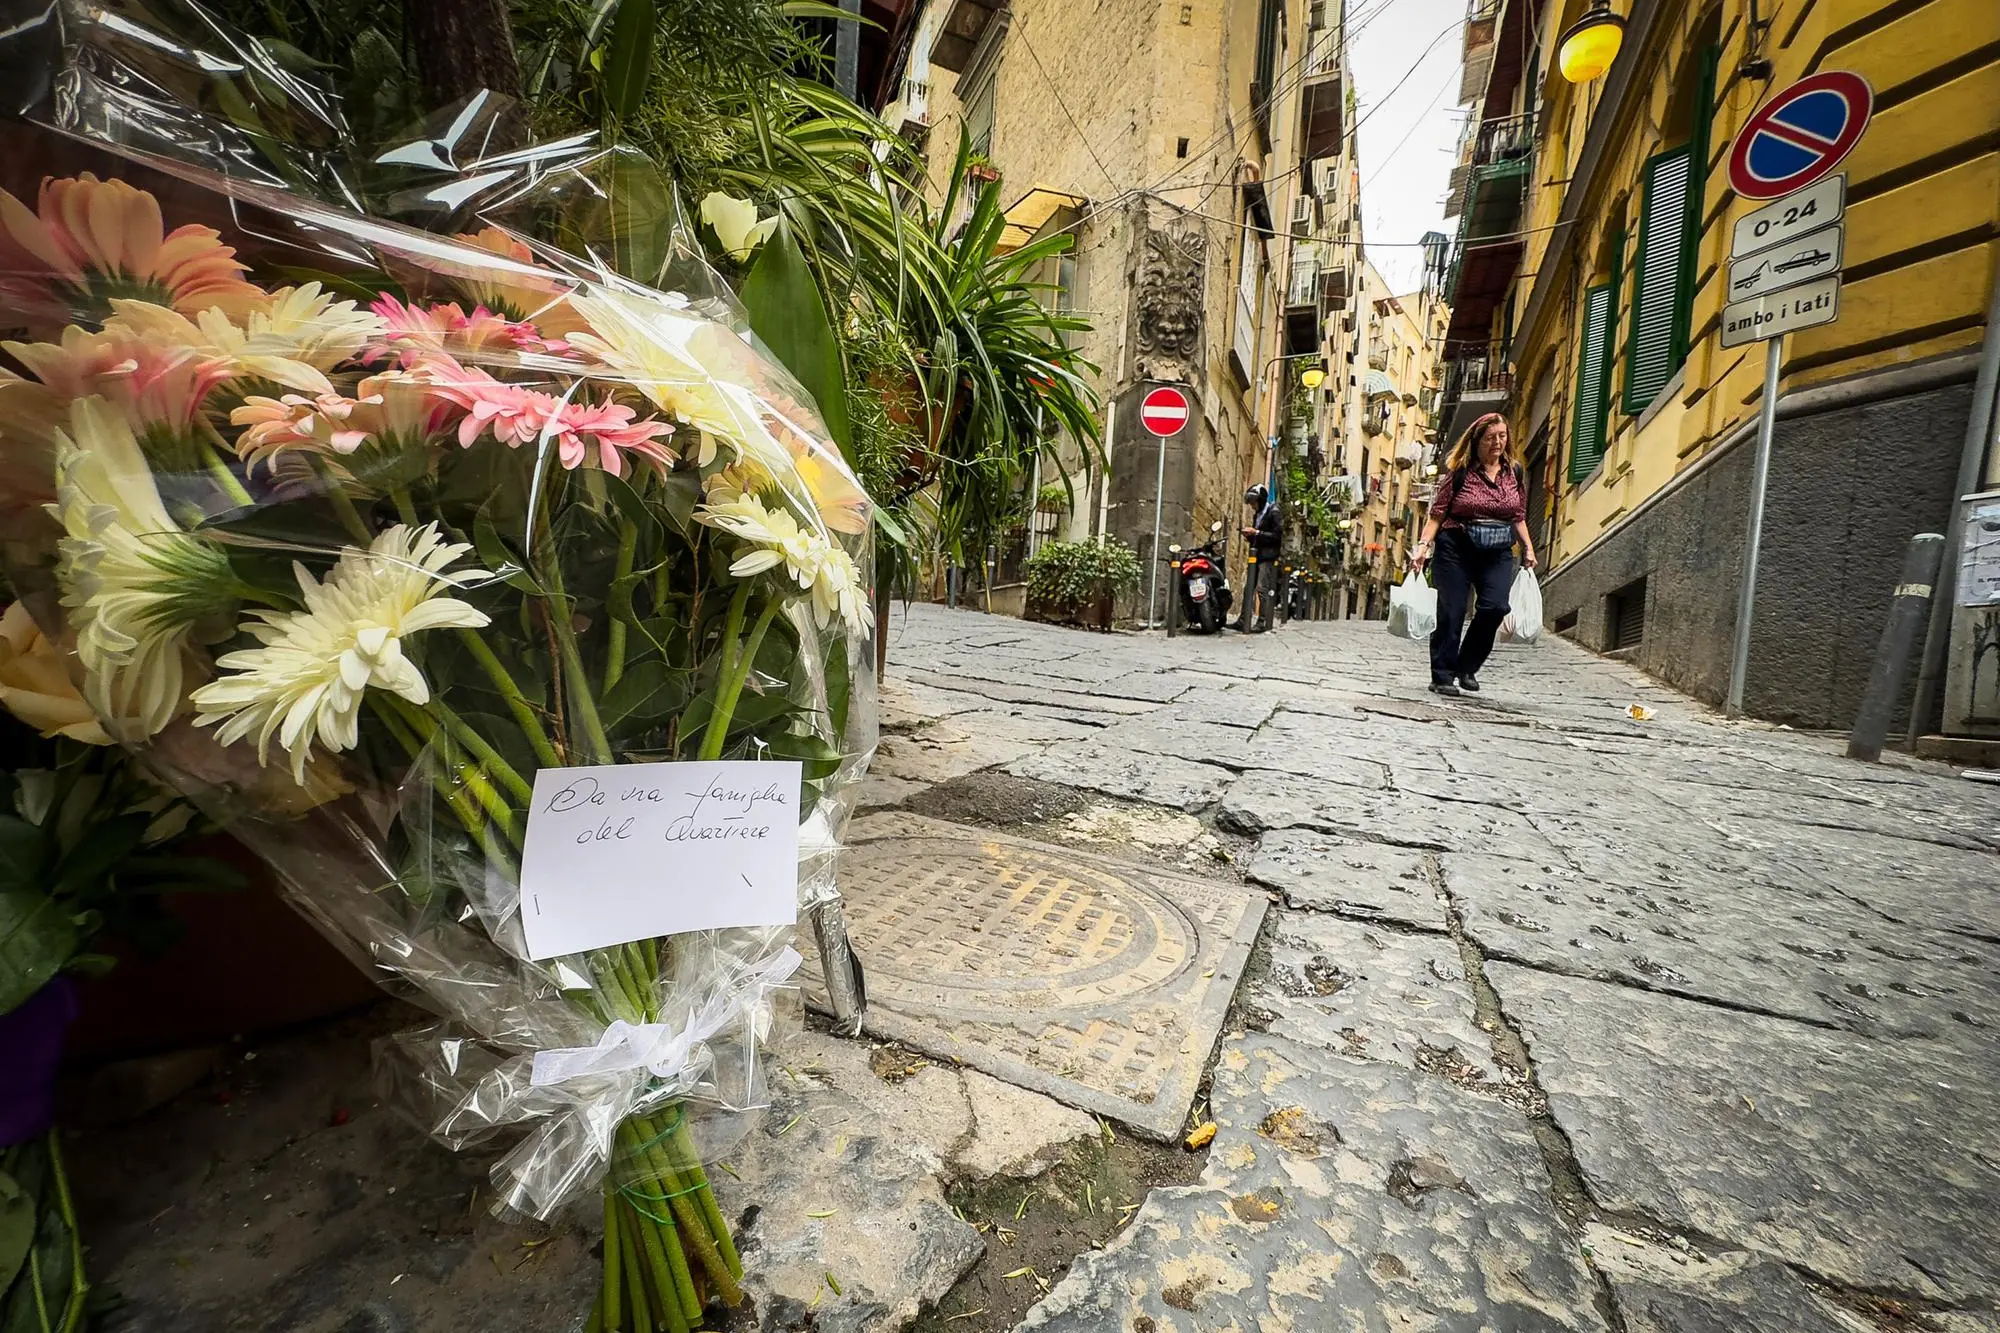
x=1295 y=602
x=1203 y=584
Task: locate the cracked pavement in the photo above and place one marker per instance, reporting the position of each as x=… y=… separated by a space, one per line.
x=1561 y=1019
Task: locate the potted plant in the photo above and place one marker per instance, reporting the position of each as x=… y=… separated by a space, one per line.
x=1076 y=583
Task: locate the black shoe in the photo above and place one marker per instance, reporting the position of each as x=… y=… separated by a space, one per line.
x=1447 y=687
x=1470 y=684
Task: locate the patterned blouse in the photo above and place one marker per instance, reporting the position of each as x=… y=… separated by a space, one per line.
x=1473 y=496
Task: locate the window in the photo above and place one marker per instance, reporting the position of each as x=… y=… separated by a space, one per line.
x=1249 y=277
x=1593 y=380
x=1180 y=147
x=976 y=84
x=979 y=119
x=1665 y=268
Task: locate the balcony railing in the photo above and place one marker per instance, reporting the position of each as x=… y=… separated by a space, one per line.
x=1303 y=289
x=1504 y=139
x=1484 y=372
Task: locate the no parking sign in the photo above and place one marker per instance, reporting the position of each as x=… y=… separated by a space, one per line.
x=1800 y=135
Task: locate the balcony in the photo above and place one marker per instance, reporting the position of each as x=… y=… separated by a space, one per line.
x=1481 y=19
x=1497 y=175
x=1334 y=282
x=1323 y=93
x=1474 y=385
x=965 y=23
x=1303 y=314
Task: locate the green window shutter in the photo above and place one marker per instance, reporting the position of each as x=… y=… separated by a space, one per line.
x=1653 y=356
x=1593 y=381
x=1698 y=146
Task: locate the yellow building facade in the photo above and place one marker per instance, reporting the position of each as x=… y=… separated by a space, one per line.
x=1589 y=280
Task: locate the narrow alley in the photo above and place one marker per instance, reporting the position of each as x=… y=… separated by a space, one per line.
x=1575 y=1006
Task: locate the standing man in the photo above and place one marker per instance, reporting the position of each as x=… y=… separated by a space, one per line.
x=1267 y=535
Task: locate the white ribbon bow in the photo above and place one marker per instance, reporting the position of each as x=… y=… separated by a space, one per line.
x=660 y=1048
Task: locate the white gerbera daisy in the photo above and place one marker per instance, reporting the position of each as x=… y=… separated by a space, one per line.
x=776 y=538
x=682 y=362
x=310 y=675
x=134 y=581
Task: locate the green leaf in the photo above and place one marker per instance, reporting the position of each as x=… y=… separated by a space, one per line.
x=498 y=558
x=786 y=312
x=24 y=851
x=634 y=33
x=17 y=1229
x=647 y=691
x=37 y=938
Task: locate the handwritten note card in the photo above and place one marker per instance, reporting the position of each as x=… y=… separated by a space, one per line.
x=623 y=852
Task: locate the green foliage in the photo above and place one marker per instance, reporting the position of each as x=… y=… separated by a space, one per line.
x=42 y=1284
x=783 y=302
x=85 y=846
x=997 y=364
x=1306 y=505
x=1069 y=575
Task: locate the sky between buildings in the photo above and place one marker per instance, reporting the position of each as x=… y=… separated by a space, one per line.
x=1409 y=133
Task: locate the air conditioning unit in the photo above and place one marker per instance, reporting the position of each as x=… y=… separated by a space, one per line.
x=1305 y=215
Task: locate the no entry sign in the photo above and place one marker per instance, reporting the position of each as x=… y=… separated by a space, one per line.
x=1800 y=135
x=1164 y=411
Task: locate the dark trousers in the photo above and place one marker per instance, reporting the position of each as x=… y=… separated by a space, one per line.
x=1260 y=591
x=1458 y=570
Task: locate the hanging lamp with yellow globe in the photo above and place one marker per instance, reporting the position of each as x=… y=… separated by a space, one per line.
x=1312 y=378
x=1591 y=45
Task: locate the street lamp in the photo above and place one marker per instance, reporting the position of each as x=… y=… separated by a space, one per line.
x=1591 y=44
x=1312 y=377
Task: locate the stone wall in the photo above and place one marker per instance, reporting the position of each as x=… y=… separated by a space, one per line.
x=1848 y=488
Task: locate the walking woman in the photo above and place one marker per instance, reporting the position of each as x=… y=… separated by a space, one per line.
x=1481 y=509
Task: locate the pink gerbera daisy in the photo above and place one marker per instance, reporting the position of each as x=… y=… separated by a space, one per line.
x=608 y=430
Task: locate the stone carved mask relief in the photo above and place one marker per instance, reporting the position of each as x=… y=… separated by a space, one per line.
x=1170 y=294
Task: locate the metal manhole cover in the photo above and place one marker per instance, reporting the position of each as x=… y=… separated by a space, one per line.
x=1099 y=982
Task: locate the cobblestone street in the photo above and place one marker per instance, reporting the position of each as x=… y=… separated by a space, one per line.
x=1559 y=1017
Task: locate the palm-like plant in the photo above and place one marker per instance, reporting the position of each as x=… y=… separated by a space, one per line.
x=999 y=375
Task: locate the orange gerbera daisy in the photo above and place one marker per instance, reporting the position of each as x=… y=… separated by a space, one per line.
x=89 y=241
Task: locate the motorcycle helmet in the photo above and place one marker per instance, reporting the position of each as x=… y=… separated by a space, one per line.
x=1257 y=495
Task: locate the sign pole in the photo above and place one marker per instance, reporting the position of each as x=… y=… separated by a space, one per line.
x=1159 y=498
x=1760 y=475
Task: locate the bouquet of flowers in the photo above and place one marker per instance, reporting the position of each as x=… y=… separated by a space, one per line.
x=353 y=531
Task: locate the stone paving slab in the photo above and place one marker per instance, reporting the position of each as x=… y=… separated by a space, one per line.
x=1875 y=1164
x=1340 y=1195
x=1663 y=1289
x=1372 y=993
x=1821 y=960
x=1134 y=775
x=1201 y=742
x=1100 y=982
x=1320 y=872
x=1262 y=800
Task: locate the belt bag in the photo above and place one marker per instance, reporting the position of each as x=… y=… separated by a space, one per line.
x=1490 y=534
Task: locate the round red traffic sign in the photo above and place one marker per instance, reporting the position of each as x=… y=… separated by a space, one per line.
x=1800 y=135
x=1164 y=411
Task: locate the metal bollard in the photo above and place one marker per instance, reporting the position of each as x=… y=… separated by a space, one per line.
x=1173 y=616
x=1908 y=613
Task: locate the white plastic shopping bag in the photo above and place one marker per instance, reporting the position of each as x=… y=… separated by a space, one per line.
x=1413 y=608
x=1524 y=609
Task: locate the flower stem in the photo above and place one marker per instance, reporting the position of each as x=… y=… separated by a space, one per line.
x=406 y=508
x=614 y=1266
x=557 y=612
x=343 y=503
x=614 y=657
x=66 y=1207
x=517 y=703
x=732 y=689
x=489 y=758
x=224 y=478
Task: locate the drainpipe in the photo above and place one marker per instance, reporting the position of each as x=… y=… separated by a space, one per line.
x=1971 y=469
